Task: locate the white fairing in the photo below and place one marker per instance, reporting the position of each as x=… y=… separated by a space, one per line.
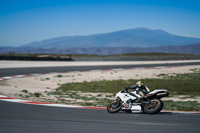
x=126 y=96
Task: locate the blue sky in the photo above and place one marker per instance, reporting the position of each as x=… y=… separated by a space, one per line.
x=25 y=21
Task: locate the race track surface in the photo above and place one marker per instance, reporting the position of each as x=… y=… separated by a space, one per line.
x=25 y=118
x=24 y=71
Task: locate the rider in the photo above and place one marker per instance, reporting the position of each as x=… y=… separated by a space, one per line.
x=141 y=89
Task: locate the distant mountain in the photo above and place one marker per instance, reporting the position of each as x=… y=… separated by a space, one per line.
x=139 y=37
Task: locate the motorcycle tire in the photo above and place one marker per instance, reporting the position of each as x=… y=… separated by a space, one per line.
x=114 y=107
x=155 y=106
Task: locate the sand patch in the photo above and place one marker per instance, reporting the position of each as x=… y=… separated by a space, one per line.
x=42 y=84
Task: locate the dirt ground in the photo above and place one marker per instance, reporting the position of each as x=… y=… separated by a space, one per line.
x=49 y=82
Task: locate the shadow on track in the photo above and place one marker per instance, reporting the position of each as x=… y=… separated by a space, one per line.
x=141 y=113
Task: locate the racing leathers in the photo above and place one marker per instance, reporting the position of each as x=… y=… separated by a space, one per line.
x=142 y=90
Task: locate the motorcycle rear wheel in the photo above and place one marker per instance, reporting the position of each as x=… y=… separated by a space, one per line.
x=155 y=106
x=114 y=107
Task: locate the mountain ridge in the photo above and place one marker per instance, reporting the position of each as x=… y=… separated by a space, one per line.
x=138 y=37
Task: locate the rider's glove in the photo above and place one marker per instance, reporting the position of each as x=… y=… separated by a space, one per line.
x=137 y=90
x=126 y=89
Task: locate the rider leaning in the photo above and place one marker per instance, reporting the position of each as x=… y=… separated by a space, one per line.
x=141 y=89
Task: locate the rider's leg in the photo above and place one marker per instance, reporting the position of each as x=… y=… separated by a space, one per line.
x=142 y=95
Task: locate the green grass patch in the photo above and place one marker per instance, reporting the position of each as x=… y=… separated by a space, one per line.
x=185 y=106
x=185 y=84
x=95 y=86
x=178 y=84
x=25 y=91
x=59 y=76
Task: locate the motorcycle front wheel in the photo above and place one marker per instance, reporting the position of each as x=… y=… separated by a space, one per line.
x=114 y=107
x=155 y=106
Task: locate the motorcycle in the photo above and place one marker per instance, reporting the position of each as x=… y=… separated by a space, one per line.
x=131 y=102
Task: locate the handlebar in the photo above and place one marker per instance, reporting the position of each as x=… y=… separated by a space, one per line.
x=124 y=90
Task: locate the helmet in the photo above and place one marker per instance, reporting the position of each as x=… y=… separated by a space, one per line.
x=139 y=83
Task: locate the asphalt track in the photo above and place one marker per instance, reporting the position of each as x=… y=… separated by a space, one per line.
x=23 y=118
x=24 y=71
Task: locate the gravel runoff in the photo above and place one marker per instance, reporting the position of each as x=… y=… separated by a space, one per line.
x=48 y=82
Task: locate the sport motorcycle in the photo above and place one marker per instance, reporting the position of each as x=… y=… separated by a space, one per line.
x=131 y=102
